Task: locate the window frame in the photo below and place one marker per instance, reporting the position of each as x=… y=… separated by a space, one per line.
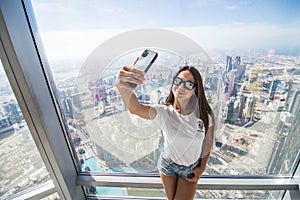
x=21 y=59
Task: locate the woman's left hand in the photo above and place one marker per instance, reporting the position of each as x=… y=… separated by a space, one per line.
x=195 y=179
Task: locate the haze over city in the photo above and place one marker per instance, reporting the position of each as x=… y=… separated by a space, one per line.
x=270 y=26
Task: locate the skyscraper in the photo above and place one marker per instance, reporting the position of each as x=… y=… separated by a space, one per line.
x=273 y=88
x=249 y=109
x=282 y=155
x=237 y=62
x=228 y=64
x=294 y=104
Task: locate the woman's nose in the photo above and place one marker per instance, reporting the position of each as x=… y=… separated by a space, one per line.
x=181 y=85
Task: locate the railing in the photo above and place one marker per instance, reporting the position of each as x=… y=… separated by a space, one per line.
x=36 y=192
x=205 y=183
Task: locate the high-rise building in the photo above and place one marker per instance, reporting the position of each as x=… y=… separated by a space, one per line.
x=12 y=111
x=289 y=138
x=229 y=111
x=249 y=108
x=237 y=62
x=234 y=74
x=294 y=104
x=241 y=100
x=273 y=88
x=232 y=83
x=228 y=64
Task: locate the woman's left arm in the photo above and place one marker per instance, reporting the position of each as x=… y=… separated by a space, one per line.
x=198 y=171
x=208 y=143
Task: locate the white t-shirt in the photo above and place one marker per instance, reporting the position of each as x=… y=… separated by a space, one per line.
x=183 y=134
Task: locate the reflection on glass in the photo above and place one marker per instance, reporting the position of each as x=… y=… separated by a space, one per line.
x=20 y=161
x=255 y=97
x=123 y=142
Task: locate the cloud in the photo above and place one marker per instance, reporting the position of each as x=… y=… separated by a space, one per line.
x=202 y=3
x=109 y=9
x=54 y=7
x=232 y=7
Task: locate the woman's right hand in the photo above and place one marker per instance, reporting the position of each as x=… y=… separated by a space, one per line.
x=129 y=75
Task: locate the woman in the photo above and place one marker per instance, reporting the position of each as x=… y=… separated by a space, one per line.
x=187 y=124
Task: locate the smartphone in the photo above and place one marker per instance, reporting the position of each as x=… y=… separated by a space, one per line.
x=145 y=61
x=191 y=175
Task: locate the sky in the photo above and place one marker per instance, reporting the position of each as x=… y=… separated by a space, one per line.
x=91 y=14
x=230 y=24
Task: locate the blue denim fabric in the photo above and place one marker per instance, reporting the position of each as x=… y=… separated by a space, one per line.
x=167 y=167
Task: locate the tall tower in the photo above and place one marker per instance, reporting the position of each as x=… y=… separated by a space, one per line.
x=241 y=105
x=249 y=108
x=229 y=115
x=12 y=111
x=232 y=83
x=228 y=64
x=273 y=88
x=237 y=62
x=295 y=101
x=285 y=150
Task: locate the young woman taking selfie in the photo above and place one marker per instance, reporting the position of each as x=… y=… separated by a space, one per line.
x=187 y=124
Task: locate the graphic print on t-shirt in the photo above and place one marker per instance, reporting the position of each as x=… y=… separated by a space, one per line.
x=200 y=127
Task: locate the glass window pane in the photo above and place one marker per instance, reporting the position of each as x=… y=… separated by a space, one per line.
x=249 y=60
x=20 y=161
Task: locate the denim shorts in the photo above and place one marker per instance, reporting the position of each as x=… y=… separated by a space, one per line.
x=168 y=167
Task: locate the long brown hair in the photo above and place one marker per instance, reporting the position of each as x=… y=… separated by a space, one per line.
x=197 y=101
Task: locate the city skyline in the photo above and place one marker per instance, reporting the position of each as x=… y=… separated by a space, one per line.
x=100 y=140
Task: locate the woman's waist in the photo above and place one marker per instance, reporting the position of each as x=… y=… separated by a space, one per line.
x=181 y=161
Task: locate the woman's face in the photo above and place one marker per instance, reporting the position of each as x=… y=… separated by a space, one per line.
x=179 y=91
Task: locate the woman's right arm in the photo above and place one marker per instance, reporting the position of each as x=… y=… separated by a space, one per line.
x=132 y=75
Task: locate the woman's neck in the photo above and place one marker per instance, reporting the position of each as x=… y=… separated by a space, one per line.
x=182 y=107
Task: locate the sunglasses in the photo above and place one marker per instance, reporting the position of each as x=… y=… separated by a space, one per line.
x=186 y=84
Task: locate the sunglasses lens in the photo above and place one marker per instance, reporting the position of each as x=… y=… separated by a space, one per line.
x=189 y=85
x=177 y=81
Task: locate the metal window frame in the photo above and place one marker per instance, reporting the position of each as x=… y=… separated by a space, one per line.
x=24 y=64
x=25 y=71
